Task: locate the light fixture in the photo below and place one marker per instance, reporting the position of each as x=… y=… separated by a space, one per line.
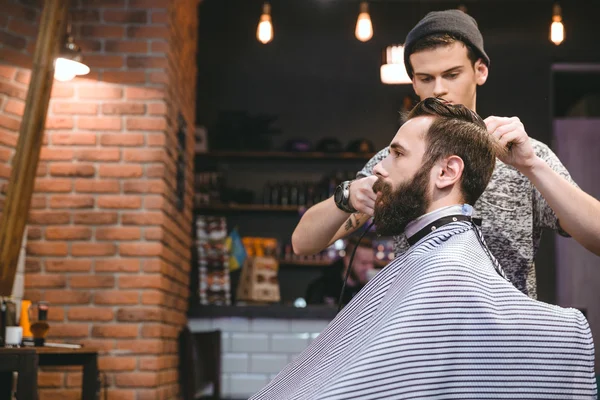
x=557 y=29
x=68 y=64
x=264 y=32
x=393 y=71
x=364 y=27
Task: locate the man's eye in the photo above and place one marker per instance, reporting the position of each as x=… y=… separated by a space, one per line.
x=452 y=76
x=425 y=80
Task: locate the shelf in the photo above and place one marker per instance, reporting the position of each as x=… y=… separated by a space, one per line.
x=248 y=207
x=287 y=155
x=276 y=311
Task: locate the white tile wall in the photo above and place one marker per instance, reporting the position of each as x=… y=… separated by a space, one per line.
x=255 y=350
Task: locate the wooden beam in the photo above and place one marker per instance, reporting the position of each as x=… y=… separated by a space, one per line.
x=25 y=161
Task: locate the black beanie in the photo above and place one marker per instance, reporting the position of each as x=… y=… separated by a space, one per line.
x=454 y=22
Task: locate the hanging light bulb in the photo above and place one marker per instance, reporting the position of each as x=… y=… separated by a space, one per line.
x=264 y=32
x=364 y=28
x=393 y=71
x=557 y=29
x=69 y=63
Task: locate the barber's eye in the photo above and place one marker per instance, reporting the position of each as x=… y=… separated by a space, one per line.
x=452 y=76
x=425 y=80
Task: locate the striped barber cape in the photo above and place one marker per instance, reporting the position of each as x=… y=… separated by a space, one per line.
x=440 y=322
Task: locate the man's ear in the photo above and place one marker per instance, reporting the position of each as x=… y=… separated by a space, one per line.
x=481 y=72
x=449 y=172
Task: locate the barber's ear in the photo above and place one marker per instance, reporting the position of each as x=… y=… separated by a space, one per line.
x=450 y=172
x=481 y=72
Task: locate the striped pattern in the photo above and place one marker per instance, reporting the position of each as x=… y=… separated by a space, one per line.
x=439 y=322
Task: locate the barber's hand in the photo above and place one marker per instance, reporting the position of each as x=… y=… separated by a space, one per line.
x=511 y=134
x=362 y=197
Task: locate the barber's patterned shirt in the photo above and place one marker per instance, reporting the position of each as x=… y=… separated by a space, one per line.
x=513 y=212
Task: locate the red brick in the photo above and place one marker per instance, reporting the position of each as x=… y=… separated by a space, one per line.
x=129 y=17
x=69 y=169
x=144 y=93
x=95 y=218
x=153 y=297
x=15 y=57
x=16 y=107
x=114 y=297
x=13 y=41
x=122 y=394
x=160 y=17
x=159 y=46
x=137 y=379
x=71 y=201
x=23 y=76
x=158 y=108
x=117 y=363
x=121 y=202
x=124 y=77
x=50 y=379
x=123 y=108
x=152 y=331
x=67 y=297
x=59 y=123
x=8 y=138
x=100 y=92
x=8 y=72
x=103 y=3
x=146 y=124
x=12 y=90
x=9 y=123
x=154 y=202
x=96 y=186
x=156 y=140
x=44 y=281
x=125 y=46
x=5 y=153
x=38 y=202
x=74 y=108
x=104 y=61
x=69 y=330
x=118 y=265
x=67 y=265
x=74 y=379
x=34 y=232
x=90 y=314
x=140 y=281
x=120 y=171
x=23 y=28
x=49 y=217
x=118 y=233
x=42 y=169
x=148 y=32
x=47 y=248
x=122 y=139
x=147 y=62
x=89 y=46
x=151 y=233
x=145 y=186
x=68 y=233
x=91 y=281
x=52 y=185
x=99 y=123
x=56 y=154
x=142 y=218
x=141 y=346
x=59 y=394
x=137 y=314
x=70 y=138
x=144 y=155
x=56 y=314
x=83 y=15
x=102 y=31
x=93 y=154
x=62 y=91
x=92 y=249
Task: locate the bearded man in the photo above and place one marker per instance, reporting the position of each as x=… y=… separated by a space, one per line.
x=441 y=321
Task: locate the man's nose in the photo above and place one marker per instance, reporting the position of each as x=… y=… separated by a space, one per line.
x=440 y=89
x=379 y=170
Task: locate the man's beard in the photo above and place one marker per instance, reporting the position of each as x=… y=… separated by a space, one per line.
x=396 y=208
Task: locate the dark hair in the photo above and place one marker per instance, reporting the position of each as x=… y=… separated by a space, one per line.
x=457 y=130
x=436 y=40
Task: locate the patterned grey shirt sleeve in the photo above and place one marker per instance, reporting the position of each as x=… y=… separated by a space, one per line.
x=542 y=212
x=368 y=168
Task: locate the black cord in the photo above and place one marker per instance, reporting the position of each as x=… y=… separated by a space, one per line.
x=350 y=264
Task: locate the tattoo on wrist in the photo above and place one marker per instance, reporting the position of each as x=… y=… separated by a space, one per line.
x=348 y=224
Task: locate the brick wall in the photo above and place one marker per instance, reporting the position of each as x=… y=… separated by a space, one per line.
x=107 y=245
